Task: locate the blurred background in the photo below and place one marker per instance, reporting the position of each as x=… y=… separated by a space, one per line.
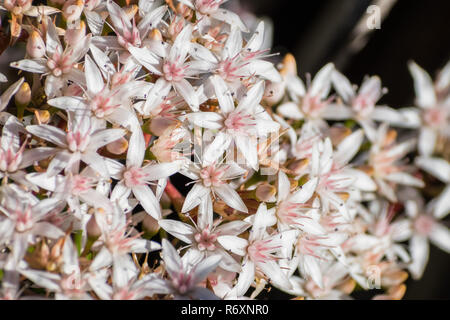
x=317 y=32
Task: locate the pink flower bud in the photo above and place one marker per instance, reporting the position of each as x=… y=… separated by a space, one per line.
x=35 y=45
x=72 y=10
x=74 y=35
x=119 y=146
x=92 y=228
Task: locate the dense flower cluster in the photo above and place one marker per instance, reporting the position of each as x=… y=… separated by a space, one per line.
x=313 y=189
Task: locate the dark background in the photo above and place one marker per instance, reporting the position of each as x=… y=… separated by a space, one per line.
x=320 y=31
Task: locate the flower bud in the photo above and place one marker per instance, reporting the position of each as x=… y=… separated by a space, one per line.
x=117 y=147
x=23 y=95
x=92 y=228
x=150 y=226
x=265 y=192
x=289 y=65
x=35 y=45
x=41 y=117
x=159 y=125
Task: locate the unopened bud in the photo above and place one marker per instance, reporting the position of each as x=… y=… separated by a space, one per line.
x=265 y=192
x=150 y=226
x=92 y=228
x=159 y=125
x=41 y=117
x=23 y=95
x=289 y=65
x=35 y=45
x=156 y=35
x=117 y=147
x=131 y=11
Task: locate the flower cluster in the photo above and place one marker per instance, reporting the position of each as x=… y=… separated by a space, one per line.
x=315 y=190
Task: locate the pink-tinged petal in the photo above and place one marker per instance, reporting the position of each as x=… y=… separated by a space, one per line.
x=94 y=79
x=234 y=244
x=20 y=246
x=389 y=115
x=148 y=200
x=295 y=87
x=205 y=267
x=443 y=80
x=233 y=228
x=405 y=179
x=246 y=277
x=136 y=149
x=52 y=39
x=272 y=270
x=103 y=137
x=264 y=69
x=96 y=199
x=205 y=214
x=442 y=204
x=306 y=191
x=146 y=58
x=321 y=84
x=252 y=97
x=231 y=18
x=34 y=66
x=44 y=181
x=361 y=180
x=256 y=41
x=343 y=86
x=10 y=138
x=216 y=148
x=194 y=197
x=157 y=94
x=8 y=93
x=48 y=230
x=70 y=257
x=161 y=170
x=419 y=248
x=178 y=229
x=290 y=110
x=248 y=147
x=440 y=237
x=43 y=279
x=411 y=117
x=423 y=84
x=369 y=128
x=182 y=44
x=200 y=53
x=102 y=60
x=107 y=42
x=172 y=261
x=284 y=186
x=312 y=269
x=335 y=111
x=59 y=162
x=144 y=246
x=348 y=148
x=151 y=20
x=75 y=104
x=437 y=167
x=120 y=191
x=95 y=22
x=208 y=120
x=386 y=190
x=187 y=91
x=371 y=88
x=118 y=17
x=223 y=94
x=96 y=162
x=427 y=141
x=54 y=86
x=227 y=262
x=230 y=197
x=49 y=133
x=101 y=260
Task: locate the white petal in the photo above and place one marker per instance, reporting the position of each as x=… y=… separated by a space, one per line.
x=148 y=200
x=178 y=229
x=437 y=167
x=223 y=94
x=419 y=249
x=94 y=79
x=230 y=197
x=234 y=244
x=440 y=237
x=195 y=195
x=49 y=133
x=187 y=91
x=290 y=110
x=423 y=85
